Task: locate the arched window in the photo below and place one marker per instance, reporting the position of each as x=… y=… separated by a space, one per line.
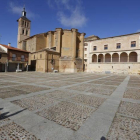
x=26 y=32
x=107 y=57
x=115 y=57
x=23 y=31
x=94 y=58
x=22 y=23
x=133 y=57
x=123 y=57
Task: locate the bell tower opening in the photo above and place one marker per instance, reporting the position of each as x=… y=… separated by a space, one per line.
x=24 y=26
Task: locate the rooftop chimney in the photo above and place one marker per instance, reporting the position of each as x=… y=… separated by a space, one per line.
x=9 y=44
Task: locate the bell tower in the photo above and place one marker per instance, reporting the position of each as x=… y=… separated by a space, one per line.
x=24 y=26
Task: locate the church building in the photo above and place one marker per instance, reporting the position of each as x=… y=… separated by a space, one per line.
x=61 y=50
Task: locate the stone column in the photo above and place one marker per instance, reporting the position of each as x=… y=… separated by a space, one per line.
x=111 y=58
x=74 y=34
x=138 y=56
x=119 y=57
x=128 y=58
x=97 y=58
x=103 y=58
x=59 y=39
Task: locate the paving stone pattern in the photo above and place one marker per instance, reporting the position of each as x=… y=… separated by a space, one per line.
x=124 y=128
x=35 y=102
x=67 y=114
x=13 y=131
x=78 y=106
x=130 y=109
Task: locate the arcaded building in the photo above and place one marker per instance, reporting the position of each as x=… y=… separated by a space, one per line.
x=118 y=54
x=61 y=50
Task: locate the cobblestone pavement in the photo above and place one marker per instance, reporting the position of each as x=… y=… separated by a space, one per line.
x=126 y=124
x=64 y=106
x=15 y=132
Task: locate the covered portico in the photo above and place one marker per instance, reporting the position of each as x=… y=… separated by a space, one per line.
x=115 y=57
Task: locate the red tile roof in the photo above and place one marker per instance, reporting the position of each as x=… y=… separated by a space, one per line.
x=13 y=48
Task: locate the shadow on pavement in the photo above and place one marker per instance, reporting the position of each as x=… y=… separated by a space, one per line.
x=5 y=115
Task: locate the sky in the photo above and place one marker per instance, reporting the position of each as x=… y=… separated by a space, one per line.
x=104 y=18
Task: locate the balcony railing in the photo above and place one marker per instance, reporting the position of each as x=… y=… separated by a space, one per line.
x=14 y=58
x=22 y=59
x=18 y=59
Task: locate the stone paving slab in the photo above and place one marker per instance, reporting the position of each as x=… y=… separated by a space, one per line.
x=30 y=88
x=124 y=128
x=7 y=84
x=67 y=114
x=112 y=83
x=101 y=91
x=13 y=131
x=88 y=100
x=10 y=92
x=132 y=93
x=35 y=102
x=130 y=109
x=59 y=94
x=82 y=87
x=56 y=83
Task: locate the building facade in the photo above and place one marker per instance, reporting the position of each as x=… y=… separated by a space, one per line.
x=61 y=50
x=13 y=59
x=119 y=54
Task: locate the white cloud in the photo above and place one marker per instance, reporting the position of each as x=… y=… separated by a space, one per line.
x=69 y=12
x=16 y=9
x=138 y=30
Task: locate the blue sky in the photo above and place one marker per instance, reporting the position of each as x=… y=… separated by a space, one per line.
x=103 y=18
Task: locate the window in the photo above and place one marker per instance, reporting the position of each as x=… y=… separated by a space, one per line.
x=85 y=49
x=85 y=44
x=105 y=47
x=85 y=55
x=133 y=44
x=40 y=55
x=0 y=56
x=22 y=58
x=25 y=24
x=94 y=48
x=118 y=45
x=22 y=23
x=85 y=60
x=23 y=31
x=26 y=32
x=13 y=57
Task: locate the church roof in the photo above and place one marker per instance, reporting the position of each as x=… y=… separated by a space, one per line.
x=25 y=18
